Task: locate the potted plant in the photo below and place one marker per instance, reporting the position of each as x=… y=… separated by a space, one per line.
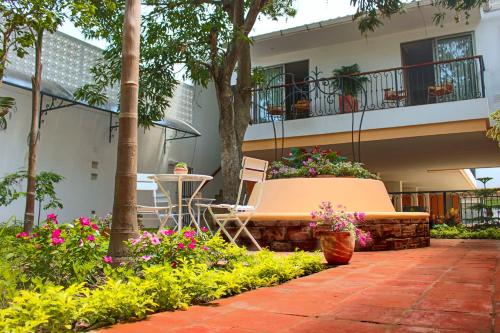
x=337 y=230
x=349 y=83
x=181 y=168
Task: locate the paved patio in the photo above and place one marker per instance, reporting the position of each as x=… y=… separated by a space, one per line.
x=452 y=286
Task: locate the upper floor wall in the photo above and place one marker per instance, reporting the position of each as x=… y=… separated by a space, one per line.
x=407 y=39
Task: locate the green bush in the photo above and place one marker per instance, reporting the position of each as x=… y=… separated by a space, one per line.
x=125 y=296
x=62 y=253
x=461 y=232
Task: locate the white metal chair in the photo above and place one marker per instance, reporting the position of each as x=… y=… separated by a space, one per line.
x=162 y=205
x=253 y=170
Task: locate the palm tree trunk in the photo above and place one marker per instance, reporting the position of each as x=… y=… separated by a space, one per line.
x=29 y=212
x=124 y=225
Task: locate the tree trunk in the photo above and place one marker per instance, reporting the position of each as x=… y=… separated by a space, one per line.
x=234 y=106
x=243 y=96
x=124 y=225
x=230 y=150
x=29 y=212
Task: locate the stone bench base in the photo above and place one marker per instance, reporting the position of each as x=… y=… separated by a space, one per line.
x=285 y=236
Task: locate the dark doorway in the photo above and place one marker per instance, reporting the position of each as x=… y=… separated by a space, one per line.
x=296 y=73
x=418 y=79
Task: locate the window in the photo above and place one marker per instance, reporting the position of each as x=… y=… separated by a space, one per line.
x=279 y=92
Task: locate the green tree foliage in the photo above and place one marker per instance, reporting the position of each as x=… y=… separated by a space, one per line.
x=44 y=188
x=494 y=131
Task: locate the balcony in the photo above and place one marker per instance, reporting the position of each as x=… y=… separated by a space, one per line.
x=284 y=98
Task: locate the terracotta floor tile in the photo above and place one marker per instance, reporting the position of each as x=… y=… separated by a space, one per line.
x=370 y=313
x=259 y=321
x=448 y=320
x=321 y=325
x=387 y=300
x=459 y=305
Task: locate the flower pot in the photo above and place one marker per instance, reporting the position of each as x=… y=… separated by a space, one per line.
x=180 y=171
x=326 y=176
x=337 y=247
x=348 y=104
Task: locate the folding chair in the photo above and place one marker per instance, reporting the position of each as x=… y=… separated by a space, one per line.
x=253 y=170
x=162 y=212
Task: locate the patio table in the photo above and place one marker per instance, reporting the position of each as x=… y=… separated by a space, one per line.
x=180 y=179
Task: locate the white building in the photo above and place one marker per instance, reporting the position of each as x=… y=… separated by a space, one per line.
x=79 y=142
x=425 y=99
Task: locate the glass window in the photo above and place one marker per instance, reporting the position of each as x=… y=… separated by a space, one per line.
x=461 y=75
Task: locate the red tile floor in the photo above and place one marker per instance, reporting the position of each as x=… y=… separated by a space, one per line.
x=452 y=286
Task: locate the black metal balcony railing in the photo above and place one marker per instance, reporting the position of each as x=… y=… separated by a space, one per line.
x=435 y=82
x=466 y=207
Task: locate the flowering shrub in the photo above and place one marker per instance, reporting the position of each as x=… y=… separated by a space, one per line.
x=62 y=253
x=316 y=162
x=123 y=295
x=170 y=247
x=340 y=220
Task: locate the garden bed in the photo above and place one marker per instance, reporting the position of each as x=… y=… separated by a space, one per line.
x=60 y=280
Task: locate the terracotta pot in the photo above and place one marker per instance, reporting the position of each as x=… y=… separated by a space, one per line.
x=337 y=247
x=181 y=171
x=348 y=104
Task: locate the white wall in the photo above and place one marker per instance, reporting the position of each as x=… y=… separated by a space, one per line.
x=382 y=52
x=73 y=137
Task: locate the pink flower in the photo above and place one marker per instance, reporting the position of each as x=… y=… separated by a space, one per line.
x=94 y=226
x=168 y=232
x=91 y=238
x=23 y=234
x=312 y=225
x=180 y=246
x=57 y=241
x=192 y=246
x=204 y=248
x=204 y=229
x=146 y=234
x=155 y=240
x=56 y=233
x=135 y=241
x=84 y=220
x=35 y=235
x=107 y=259
x=146 y=258
x=52 y=218
x=360 y=216
x=312 y=172
x=189 y=234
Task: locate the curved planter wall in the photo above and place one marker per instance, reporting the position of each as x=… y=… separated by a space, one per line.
x=281 y=220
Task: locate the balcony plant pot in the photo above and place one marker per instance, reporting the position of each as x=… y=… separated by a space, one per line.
x=181 y=169
x=348 y=104
x=337 y=247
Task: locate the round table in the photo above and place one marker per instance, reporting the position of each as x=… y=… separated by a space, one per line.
x=179 y=179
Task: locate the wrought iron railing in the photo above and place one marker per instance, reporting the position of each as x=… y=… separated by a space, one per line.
x=466 y=207
x=426 y=83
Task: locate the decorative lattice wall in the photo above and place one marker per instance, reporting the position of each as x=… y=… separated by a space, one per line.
x=67 y=61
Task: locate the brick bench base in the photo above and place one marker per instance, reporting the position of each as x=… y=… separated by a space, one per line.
x=285 y=236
